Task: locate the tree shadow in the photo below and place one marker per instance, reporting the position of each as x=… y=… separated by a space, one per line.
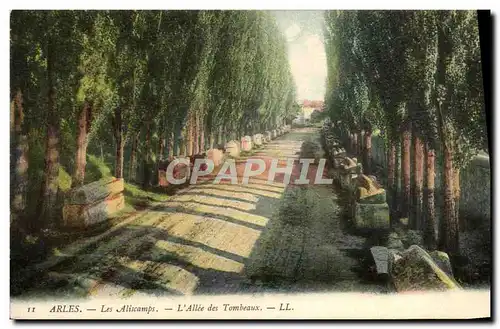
x=223 y=197
x=90 y=263
x=365 y=267
x=93 y=269
x=190 y=211
x=257 y=190
x=109 y=269
x=131 y=257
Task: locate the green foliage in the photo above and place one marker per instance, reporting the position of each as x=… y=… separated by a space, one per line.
x=157 y=67
x=251 y=83
x=96 y=169
x=311 y=149
x=64 y=180
x=460 y=94
x=134 y=191
x=388 y=68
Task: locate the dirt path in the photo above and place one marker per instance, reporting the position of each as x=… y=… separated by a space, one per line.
x=215 y=239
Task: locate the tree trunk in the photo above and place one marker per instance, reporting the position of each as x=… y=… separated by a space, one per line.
x=397 y=180
x=159 y=160
x=12 y=114
x=146 y=180
x=430 y=239
x=132 y=173
x=50 y=186
x=354 y=143
x=360 y=146
x=120 y=142
x=20 y=183
x=367 y=153
x=171 y=145
x=196 y=133
x=235 y=135
x=211 y=140
x=202 y=135
x=405 y=173
x=391 y=179
x=449 y=228
x=161 y=147
x=183 y=141
x=178 y=139
x=456 y=193
x=417 y=155
x=120 y=146
x=82 y=143
x=182 y=147
x=448 y=234
x=189 y=139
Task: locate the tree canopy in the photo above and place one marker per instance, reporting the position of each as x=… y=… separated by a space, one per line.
x=122 y=83
x=416 y=76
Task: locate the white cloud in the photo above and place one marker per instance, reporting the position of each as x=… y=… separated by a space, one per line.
x=292 y=31
x=303 y=30
x=308 y=63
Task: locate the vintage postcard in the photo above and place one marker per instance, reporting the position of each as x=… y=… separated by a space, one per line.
x=250 y=164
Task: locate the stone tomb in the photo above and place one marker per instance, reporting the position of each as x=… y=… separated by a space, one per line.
x=370 y=209
x=347 y=169
x=216 y=155
x=93 y=203
x=368 y=191
x=416 y=270
x=381 y=257
x=268 y=136
x=180 y=170
x=246 y=143
x=257 y=139
x=371 y=216
x=232 y=148
x=337 y=161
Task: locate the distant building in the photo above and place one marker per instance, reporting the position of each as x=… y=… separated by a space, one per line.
x=307 y=108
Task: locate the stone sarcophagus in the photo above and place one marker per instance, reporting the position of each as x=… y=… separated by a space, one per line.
x=257 y=139
x=93 y=203
x=370 y=208
x=371 y=216
x=233 y=148
x=179 y=171
x=338 y=151
x=414 y=269
x=246 y=143
x=368 y=191
x=216 y=155
x=268 y=136
x=348 y=169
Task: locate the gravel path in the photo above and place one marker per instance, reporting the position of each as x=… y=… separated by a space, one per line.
x=216 y=239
